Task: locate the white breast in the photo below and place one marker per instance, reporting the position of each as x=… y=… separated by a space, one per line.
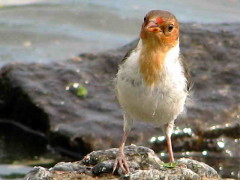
x=160 y=104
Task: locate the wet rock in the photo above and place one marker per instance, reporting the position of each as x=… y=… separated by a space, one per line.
x=199 y=168
x=38 y=96
x=62 y=166
x=38 y=173
x=232 y=130
x=143 y=163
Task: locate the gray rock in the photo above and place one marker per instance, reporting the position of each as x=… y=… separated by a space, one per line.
x=202 y=169
x=66 y=166
x=38 y=173
x=143 y=162
x=154 y=174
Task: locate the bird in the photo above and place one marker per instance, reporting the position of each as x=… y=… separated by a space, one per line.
x=153 y=80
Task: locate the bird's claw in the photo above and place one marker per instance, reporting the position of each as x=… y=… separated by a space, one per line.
x=122 y=163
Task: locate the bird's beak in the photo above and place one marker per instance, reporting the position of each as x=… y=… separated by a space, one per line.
x=152 y=26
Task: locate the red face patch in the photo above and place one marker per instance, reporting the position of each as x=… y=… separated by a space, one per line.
x=159 y=20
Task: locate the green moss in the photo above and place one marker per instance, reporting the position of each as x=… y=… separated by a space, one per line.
x=77 y=89
x=82 y=91
x=169 y=165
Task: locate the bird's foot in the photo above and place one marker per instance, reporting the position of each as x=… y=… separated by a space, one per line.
x=121 y=162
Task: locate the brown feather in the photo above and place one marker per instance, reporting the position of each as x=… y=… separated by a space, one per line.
x=151 y=64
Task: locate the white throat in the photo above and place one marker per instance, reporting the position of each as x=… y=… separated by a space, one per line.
x=173 y=53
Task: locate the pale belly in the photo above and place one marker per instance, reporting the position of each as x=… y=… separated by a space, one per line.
x=158 y=105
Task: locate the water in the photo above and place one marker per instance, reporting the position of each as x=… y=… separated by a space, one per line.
x=13 y=171
x=45 y=31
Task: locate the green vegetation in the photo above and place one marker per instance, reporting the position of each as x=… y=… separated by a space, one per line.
x=170 y=165
x=77 y=89
x=82 y=91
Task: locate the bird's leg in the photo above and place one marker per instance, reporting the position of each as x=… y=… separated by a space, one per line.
x=168 y=131
x=120 y=159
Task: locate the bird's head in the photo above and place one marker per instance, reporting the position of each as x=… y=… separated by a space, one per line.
x=160 y=28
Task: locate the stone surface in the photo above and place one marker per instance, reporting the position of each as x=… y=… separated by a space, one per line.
x=43 y=98
x=143 y=163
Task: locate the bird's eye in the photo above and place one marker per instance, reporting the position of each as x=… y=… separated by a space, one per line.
x=144 y=19
x=170 y=27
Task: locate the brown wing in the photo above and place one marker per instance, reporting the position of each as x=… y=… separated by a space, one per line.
x=132 y=46
x=127 y=55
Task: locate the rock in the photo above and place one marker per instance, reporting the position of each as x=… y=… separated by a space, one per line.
x=143 y=163
x=42 y=98
x=38 y=173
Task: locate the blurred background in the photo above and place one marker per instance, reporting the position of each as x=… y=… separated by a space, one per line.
x=44 y=31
